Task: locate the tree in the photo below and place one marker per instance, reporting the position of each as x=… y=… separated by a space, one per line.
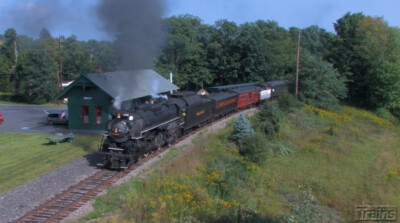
x=8 y=60
x=366 y=53
x=242 y=128
x=320 y=84
x=317 y=41
x=74 y=56
x=253 y=64
x=39 y=75
x=344 y=55
x=100 y=53
x=223 y=53
x=379 y=48
x=278 y=49
x=185 y=54
x=44 y=34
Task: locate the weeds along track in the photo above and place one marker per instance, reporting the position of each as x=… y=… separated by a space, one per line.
x=70 y=200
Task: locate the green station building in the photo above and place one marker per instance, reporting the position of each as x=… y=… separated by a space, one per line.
x=91 y=97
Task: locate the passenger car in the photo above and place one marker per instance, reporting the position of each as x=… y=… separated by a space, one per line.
x=57 y=117
x=1 y=118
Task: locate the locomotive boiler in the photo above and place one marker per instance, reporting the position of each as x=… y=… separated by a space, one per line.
x=134 y=134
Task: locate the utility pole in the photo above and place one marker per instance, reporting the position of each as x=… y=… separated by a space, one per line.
x=60 y=64
x=298 y=64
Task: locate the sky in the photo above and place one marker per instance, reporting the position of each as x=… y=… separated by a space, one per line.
x=66 y=17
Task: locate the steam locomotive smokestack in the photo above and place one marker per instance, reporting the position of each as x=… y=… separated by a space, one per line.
x=135 y=25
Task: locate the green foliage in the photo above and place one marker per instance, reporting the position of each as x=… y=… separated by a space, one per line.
x=208 y=182
x=320 y=84
x=223 y=53
x=242 y=128
x=254 y=148
x=366 y=53
x=280 y=149
x=269 y=119
x=287 y=102
x=39 y=75
x=316 y=40
x=185 y=52
x=385 y=114
x=8 y=60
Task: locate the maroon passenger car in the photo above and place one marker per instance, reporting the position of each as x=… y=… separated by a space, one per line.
x=247 y=96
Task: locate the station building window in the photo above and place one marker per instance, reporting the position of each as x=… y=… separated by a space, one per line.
x=98 y=111
x=85 y=115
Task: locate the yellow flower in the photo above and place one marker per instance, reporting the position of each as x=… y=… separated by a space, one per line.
x=227 y=204
x=188 y=196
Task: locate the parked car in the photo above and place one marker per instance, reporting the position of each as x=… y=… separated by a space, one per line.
x=1 y=118
x=57 y=117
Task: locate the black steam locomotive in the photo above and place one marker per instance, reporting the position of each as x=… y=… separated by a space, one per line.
x=132 y=135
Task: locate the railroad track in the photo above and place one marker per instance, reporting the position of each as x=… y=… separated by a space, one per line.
x=62 y=205
x=59 y=207
x=70 y=200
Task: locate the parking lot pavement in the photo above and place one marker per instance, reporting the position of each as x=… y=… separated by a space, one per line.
x=19 y=118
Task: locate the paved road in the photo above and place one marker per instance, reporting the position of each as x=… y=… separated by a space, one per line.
x=19 y=118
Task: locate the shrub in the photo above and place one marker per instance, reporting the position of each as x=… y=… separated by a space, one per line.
x=269 y=118
x=254 y=148
x=281 y=149
x=242 y=128
x=287 y=102
x=385 y=114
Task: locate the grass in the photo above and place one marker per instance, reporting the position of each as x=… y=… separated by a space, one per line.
x=26 y=156
x=341 y=159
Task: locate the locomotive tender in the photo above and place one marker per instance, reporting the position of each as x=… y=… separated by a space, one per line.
x=132 y=135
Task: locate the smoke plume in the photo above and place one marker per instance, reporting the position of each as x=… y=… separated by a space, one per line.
x=135 y=25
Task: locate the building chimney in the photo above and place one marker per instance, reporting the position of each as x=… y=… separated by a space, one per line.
x=98 y=68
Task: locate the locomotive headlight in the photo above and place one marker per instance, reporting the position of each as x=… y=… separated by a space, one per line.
x=115 y=132
x=130 y=117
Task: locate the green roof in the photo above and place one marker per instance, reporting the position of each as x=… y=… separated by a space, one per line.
x=127 y=85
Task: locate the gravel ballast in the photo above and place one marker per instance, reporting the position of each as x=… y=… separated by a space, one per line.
x=19 y=201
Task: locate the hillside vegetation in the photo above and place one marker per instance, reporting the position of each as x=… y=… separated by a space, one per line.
x=313 y=165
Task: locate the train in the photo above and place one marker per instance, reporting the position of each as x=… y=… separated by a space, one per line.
x=133 y=134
